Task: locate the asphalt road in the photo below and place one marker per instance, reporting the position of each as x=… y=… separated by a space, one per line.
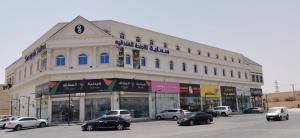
x=238 y=126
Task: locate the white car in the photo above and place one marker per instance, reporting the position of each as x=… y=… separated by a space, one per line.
x=25 y=122
x=125 y=114
x=222 y=110
x=174 y=114
x=3 y=121
x=277 y=113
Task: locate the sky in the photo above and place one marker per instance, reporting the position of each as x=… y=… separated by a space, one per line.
x=266 y=31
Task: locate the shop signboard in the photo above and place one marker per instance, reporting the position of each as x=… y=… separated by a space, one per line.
x=210 y=91
x=131 y=85
x=189 y=89
x=228 y=91
x=80 y=86
x=243 y=91
x=165 y=87
x=256 y=91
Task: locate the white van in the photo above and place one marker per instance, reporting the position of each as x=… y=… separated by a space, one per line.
x=277 y=113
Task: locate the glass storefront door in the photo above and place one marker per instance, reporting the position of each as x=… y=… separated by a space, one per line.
x=61 y=112
x=137 y=106
x=95 y=108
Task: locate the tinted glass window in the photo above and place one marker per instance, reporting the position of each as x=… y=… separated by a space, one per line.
x=112 y=118
x=112 y=113
x=124 y=112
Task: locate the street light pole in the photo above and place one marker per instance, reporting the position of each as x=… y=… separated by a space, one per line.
x=155 y=103
x=69 y=111
x=41 y=96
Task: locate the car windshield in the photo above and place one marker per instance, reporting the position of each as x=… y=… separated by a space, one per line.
x=274 y=110
x=112 y=113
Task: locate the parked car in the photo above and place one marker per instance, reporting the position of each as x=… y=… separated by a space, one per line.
x=5 y=116
x=254 y=110
x=196 y=118
x=114 y=122
x=222 y=110
x=3 y=121
x=277 y=113
x=125 y=114
x=174 y=114
x=26 y=122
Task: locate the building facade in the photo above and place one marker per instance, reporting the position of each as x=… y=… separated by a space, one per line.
x=4 y=100
x=81 y=69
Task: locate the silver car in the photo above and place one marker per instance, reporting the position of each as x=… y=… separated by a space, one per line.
x=174 y=114
x=3 y=121
x=125 y=114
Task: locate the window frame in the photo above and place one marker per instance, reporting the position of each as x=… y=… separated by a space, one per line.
x=104 y=58
x=61 y=59
x=82 y=59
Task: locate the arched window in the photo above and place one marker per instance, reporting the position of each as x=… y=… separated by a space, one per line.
x=231 y=73
x=183 y=66
x=208 y=54
x=189 y=50
x=128 y=59
x=60 y=60
x=104 y=58
x=171 y=64
x=199 y=52
x=177 y=48
x=138 y=39
x=143 y=61
x=82 y=59
x=157 y=63
x=165 y=45
x=215 y=71
x=122 y=35
x=151 y=42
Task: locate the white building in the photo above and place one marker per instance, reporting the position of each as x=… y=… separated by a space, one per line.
x=107 y=65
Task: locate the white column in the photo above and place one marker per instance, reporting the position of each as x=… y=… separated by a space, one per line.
x=49 y=109
x=49 y=56
x=94 y=57
x=82 y=108
x=68 y=58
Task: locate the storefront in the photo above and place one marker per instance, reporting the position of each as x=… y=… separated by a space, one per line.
x=68 y=98
x=190 y=98
x=210 y=96
x=256 y=97
x=133 y=96
x=229 y=97
x=243 y=99
x=166 y=95
x=41 y=95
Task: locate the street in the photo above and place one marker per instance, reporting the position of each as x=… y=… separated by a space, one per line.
x=237 y=126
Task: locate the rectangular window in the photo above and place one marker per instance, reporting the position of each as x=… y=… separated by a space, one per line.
x=224 y=72
x=261 y=79
x=195 y=69
x=205 y=70
x=246 y=76
x=253 y=78
x=239 y=74
x=215 y=71
x=257 y=78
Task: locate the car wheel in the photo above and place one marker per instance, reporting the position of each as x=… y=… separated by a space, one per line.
x=280 y=118
x=18 y=127
x=3 y=127
x=223 y=114
x=120 y=127
x=175 y=118
x=208 y=121
x=287 y=117
x=192 y=123
x=268 y=119
x=158 y=118
x=89 y=128
x=43 y=124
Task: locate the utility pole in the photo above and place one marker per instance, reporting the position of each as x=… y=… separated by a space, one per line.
x=276 y=86
x=294 y=92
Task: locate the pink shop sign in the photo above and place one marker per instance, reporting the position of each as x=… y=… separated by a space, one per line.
x=167 y=87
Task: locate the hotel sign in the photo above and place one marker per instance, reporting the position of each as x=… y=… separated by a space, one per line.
x=35 y=52
x=142 y=46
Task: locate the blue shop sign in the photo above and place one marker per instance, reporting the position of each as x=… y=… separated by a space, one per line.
x=35 y=52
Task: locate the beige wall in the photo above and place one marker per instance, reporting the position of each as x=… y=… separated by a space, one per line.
x=282 y=99
x=4 y=102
